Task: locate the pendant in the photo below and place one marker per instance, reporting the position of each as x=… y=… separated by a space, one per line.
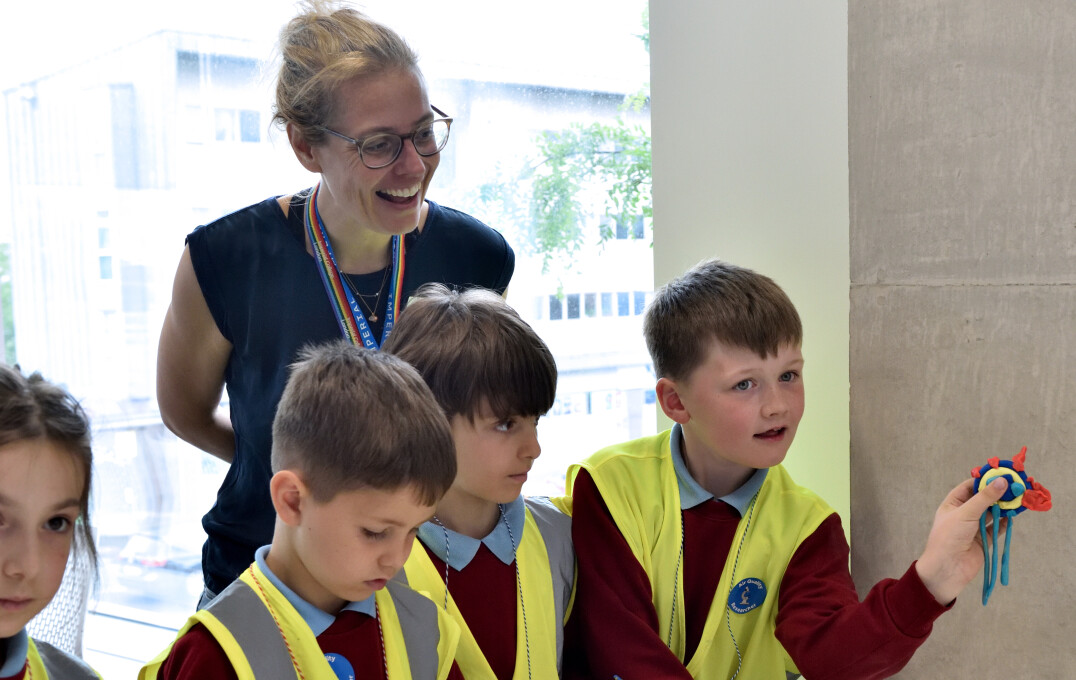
x=373 y=318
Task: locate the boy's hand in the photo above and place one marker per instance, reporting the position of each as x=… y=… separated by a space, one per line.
x=954 y=552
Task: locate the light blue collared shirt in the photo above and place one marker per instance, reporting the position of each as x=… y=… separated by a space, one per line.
x=18 y=646
x=318 y=620
x=458 y=551
x=692 y=493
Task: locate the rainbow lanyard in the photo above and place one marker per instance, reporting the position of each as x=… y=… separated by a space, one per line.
x=348 y=313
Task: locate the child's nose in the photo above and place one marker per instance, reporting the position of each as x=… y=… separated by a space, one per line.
x=774 y=402
x=20 y=558
x=395 y=556
x=531 y=448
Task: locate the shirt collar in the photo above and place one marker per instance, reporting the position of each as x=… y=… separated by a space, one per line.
x=458 y=550
x=318 y=620
x=692 y=493
x=18 y=645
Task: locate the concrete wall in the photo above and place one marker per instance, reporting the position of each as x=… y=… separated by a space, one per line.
x=962 y=159
x=749 y=120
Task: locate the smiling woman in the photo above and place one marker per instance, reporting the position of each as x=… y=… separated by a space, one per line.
x=156 y=119
x=341 y=259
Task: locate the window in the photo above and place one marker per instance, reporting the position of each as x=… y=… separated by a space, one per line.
x=162 y=124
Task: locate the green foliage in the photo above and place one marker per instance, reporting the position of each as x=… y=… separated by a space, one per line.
x=546 y=199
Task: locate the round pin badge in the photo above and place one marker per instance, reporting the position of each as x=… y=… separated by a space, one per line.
x=341 y=666
x=746 y=595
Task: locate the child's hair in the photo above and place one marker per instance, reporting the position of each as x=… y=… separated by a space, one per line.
x=33 y=408
x=472 y=346
x=715 y=300
x=353 y=418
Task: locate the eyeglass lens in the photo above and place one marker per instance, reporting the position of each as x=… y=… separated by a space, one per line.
x=380 y=150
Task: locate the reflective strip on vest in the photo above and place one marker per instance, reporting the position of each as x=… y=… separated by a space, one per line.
x=240 y=610
x=546 y=573
x=45 y=661
x=420 y=642
x=638 y=483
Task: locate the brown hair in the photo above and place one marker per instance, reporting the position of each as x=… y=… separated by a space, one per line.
x=473 y=346
x=33 y=408
x=353 y=418
x=325 y=45
x=715 y=300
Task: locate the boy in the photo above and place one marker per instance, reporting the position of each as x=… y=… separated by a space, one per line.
x=361 y=454
x=654 y=519
x=502 y=566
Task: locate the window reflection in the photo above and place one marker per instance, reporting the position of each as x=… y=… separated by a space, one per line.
x=116 y=156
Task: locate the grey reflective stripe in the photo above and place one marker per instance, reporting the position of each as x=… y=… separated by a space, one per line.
x=418 y=620
x=251 y=623
x=556 y=530
x=61 y=665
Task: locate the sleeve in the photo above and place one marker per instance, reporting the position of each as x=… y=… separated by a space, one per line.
x=829 y=633
x=197 y=655
x=613 y=629
x=205 y=270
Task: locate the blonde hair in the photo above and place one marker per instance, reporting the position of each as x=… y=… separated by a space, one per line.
x=325 y=45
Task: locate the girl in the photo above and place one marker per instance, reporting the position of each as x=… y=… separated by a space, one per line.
x=45 y=467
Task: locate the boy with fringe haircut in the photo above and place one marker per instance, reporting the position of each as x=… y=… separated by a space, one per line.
x=361 y=455
x=502 y=565
x=699 y=557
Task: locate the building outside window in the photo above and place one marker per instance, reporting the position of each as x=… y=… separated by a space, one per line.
x=119 y=146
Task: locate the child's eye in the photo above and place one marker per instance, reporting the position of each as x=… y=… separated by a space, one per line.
x=375 y=535
x=789 y=376
x=505 y=425
x=744 y=385
x=58 y=524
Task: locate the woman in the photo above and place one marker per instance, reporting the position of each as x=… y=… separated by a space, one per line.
x=342 y=258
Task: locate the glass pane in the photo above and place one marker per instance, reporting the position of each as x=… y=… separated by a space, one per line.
x=124 y=141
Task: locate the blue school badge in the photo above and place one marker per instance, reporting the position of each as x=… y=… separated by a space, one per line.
x=341 y=666
x=746 y=595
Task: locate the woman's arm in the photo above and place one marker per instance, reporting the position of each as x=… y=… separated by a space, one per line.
x=191 y=359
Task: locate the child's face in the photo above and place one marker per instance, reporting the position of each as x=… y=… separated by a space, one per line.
x=743 y=409
x=350 y=546
x=494 y=454
x=40 y=489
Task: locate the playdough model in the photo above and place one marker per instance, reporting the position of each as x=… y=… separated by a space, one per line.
x=1024 y=493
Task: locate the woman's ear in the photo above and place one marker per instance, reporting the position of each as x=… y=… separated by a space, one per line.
x=668 y=396
x=302 y=148
x=287 y=491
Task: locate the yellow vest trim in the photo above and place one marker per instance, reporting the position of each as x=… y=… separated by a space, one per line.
x=536 y=582
x=33 y=661
x=638 y=483
x=304 y=645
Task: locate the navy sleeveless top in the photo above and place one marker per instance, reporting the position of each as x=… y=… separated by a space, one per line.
x=267 y=299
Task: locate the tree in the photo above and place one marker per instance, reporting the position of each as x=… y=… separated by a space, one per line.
x=544 y=197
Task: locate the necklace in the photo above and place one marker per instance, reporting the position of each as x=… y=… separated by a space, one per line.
x=347 y=310
x=371 y=311
x=284 y=637
x=732 y=579
x=519 y=589
x=519 y=583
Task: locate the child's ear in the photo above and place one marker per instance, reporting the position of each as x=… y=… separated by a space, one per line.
x=287 y=491
x=302 y=148
x=668 y=397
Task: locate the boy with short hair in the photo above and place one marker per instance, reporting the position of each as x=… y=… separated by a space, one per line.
x=501 y=565
x=655 y=518
x=361 y=455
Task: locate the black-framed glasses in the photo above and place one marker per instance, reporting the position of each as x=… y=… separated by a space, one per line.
x=382 y=149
